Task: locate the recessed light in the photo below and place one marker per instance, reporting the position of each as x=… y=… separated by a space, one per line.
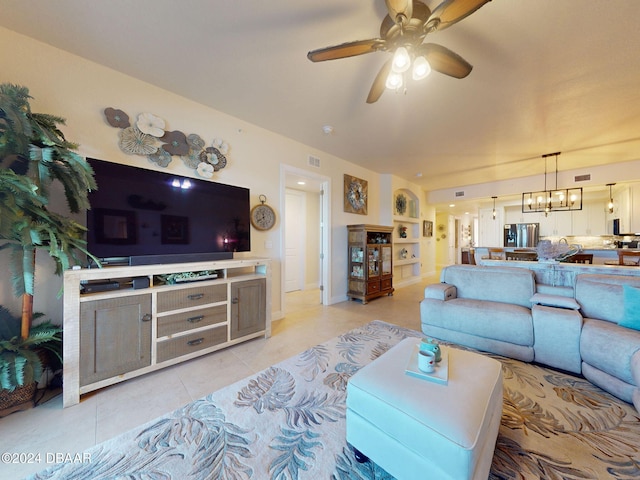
x=327 y=129
x=300 y=182
x=419 y=174
x=452 y=205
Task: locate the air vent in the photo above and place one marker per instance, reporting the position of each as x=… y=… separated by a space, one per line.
x=314 y=161
x=582 y=178
x=459 y=194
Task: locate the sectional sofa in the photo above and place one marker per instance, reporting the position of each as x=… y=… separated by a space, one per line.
x=584 y=329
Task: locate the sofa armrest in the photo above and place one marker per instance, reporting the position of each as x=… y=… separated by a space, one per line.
x=440 y=291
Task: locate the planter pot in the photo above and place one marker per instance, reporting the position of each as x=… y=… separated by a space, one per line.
x=20 y=399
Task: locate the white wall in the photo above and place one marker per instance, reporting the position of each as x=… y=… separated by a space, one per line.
x=79 y=90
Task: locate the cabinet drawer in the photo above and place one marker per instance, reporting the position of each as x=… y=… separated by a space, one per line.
x=176 y=347
x=385 y=284
x=181 y=322
x=373 y=287
x=191 y=297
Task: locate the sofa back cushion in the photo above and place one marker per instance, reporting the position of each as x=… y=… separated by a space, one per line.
x=496 y=284
x=601 y=296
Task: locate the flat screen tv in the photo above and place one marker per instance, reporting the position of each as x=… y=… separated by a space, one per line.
x=140 y=217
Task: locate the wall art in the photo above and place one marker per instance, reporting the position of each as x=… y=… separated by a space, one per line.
x=148 y=136
x=356 y=193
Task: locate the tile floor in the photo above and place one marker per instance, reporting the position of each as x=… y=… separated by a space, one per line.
x=49 y=429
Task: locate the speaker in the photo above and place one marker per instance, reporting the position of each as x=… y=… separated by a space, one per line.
x=140 y=282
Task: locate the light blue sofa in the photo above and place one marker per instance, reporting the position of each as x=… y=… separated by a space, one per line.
x=487 y=308
x=502 y=310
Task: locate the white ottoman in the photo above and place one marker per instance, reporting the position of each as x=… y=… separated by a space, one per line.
x=415 y=428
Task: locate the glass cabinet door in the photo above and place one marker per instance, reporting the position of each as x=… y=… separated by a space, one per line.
x=373 y=260
x=386 y=252
x=356 y=262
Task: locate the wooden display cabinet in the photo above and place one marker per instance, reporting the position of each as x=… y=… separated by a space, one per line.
x=370 y=254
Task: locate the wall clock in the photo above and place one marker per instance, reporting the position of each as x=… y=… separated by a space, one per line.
x=356 y=192
x=263 y=217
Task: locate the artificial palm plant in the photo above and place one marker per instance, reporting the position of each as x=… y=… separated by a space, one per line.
x=33 y=154
x=21 y=360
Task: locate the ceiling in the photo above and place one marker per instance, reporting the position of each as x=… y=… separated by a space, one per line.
x=548 y=76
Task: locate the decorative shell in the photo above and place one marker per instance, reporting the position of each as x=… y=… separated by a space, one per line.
x=213 y=156
x=175 y=143
x=161 y=157
x=205 y=170
x=220 y=145
x=150 y=124
x=116 y=118
x=134 y=142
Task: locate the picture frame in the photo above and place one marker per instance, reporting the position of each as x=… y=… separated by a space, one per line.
x=427 y=228
x=356 y=195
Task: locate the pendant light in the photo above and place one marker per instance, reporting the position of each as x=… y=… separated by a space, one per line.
x=610 y=204
x=493 y=213
x=552 y=200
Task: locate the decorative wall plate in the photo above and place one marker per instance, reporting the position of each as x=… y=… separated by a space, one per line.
x=356 y=192
x=401 y=204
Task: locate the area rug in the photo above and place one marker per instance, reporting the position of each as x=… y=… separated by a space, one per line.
x=288 y=422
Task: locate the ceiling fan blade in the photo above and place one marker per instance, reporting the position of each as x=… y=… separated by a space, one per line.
x=400 y=7
x=377 y=89
x=344 y=50
x=452 y=11
x=445 y=61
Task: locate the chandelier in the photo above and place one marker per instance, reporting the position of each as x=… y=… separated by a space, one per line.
x=556 y=200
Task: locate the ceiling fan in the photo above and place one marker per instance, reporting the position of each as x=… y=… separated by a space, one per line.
x=403 y=31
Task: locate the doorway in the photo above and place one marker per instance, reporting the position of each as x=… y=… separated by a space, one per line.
x=305 y=247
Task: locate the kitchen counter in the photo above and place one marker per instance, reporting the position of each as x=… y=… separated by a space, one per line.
x=563 y=274
x=600 y=255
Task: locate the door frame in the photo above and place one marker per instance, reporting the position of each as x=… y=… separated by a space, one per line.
x=325 y=230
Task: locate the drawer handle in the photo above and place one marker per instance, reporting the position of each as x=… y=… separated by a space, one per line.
x=197 y=341
x=196 y=296
x=146 y=317
x=235 y=300
x=195 y=319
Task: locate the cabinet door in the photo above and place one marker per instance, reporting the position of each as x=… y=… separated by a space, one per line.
x=115 y=337
x=248 y=307
x=373 y=262
x=356 y=262
x=386 y=253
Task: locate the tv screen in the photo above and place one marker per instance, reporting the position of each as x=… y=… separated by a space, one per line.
x=141 y=216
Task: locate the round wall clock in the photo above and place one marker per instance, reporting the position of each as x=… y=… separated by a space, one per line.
x=263 y=217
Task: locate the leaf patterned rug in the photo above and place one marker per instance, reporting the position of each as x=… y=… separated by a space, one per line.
x=288 y=422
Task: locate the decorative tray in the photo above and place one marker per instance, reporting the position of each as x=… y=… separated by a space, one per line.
x=439 y=375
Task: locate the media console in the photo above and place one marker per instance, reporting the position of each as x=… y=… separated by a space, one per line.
x=123 y=331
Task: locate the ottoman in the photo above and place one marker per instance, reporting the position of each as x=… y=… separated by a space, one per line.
x=416 y=428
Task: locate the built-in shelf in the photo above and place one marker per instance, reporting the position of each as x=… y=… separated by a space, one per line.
x=406 y=270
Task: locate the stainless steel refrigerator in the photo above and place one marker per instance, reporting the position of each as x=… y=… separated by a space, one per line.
x=521 y=235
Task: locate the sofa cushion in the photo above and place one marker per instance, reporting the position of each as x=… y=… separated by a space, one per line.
x=631 y=317
x=555 y=301
x=495 y=284
x=600 y=296
x=609 y=348
x=496 y=320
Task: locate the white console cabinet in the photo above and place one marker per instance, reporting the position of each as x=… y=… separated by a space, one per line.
x=115 y=334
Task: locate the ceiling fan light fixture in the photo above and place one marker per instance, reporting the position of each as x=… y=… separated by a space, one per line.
x=421 y=68
x=394 y=81
x=401 y=60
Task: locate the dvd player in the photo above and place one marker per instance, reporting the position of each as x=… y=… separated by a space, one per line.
x=104 y=286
